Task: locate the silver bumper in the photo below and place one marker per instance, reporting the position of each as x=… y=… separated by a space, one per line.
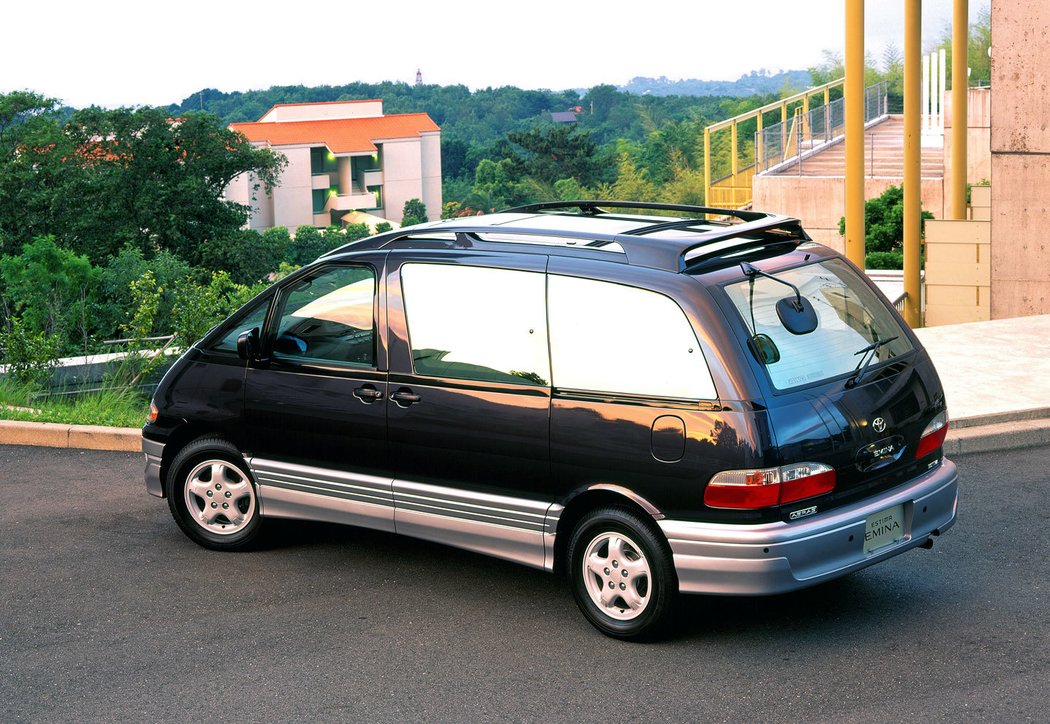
x=776 y=557
x=154 y=453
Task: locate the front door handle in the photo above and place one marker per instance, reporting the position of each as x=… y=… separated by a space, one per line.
x=404 y=397
x=368 y=394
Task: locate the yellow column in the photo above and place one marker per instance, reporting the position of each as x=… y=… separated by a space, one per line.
x=912 y=157
x=733 y=161
x=854 y=98
x=758 y=143
x=960 y=121
x=707 y=166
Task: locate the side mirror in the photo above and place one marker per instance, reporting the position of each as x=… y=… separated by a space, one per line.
x=797 y=314
x=248 y=344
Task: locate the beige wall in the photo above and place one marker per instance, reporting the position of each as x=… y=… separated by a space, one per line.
x=430 y=149
x=324 y=111
x=402 y=176
x=1020 y=150
x=819 y=202
x=293 y=196
x=978 y=140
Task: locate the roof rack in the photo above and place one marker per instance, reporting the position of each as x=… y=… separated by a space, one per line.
x=641 y=246
x=595 y=208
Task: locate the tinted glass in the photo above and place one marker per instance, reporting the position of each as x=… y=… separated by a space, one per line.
x=329 y=318
x=613 y=338
x=476 y=323
x=249 y=318
x=850 y=317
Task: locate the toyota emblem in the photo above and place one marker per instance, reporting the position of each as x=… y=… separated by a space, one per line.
x=879 y=424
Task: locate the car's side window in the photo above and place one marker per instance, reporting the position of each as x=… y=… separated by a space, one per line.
x=328 y=317
x=609 y=337
x=249 y=319
x=477 y=323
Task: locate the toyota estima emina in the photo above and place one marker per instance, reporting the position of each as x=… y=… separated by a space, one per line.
x=651 y=399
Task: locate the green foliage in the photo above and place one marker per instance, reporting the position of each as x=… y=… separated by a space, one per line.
x=414 y=212
x=30 y=355
x=311 y=242
x=47 y=287
x=884 y=228
x=198 y=307
x=383 y=226
x=111 y=407
x=884 y=260
x=557 y=152
x=353 y=232
x=113 y=300
x=109 y=178
x=979 y=40
x=245 y=254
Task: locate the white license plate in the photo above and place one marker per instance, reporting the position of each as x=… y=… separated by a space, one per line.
x=883 y=528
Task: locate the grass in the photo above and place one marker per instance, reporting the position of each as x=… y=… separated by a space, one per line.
x=110 y=408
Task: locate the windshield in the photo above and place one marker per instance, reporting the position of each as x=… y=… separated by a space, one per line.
x=850 y=319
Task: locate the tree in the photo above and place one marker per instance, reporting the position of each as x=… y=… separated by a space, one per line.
x=884 y=229
x=109 y=178
x=550 y=154
x=414 y=212
x=979 y=40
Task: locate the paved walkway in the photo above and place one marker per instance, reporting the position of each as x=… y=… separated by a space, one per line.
x=992 y=368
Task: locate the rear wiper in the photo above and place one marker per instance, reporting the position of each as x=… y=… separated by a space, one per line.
x=869 y=352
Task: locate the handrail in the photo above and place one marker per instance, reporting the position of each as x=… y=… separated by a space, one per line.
x=804 y=95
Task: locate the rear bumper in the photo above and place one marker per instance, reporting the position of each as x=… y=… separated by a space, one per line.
x=777 y=557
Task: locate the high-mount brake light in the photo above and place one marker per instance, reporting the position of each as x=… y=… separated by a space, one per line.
x=767 y=487
x=933 y=436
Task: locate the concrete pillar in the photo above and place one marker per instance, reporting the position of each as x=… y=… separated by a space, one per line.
x=912 y=158
x=345 y=181
x=854 y=99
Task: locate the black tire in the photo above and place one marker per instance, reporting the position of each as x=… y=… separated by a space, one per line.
x=639 y=603
x=212 y=496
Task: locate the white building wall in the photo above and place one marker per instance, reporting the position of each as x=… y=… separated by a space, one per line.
x=430 y=150
x=293 y=196
x=402 y=176
x=324 y=111
x=242 y=190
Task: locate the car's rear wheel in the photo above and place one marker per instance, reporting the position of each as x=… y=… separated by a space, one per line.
x=212 y=496
x=622 y=574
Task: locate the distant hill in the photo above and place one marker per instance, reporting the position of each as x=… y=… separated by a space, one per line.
x=755 y=83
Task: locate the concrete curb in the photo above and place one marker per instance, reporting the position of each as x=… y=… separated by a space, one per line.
x=984 y=433
x=85 y=437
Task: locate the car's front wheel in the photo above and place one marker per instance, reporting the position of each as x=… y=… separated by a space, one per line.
x=212 y=496
x=622 y=575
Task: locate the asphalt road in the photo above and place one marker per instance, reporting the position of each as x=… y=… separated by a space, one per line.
x=110 y=613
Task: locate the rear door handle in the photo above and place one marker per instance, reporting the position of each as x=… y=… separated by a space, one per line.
x=368 y=394
x=405 y=397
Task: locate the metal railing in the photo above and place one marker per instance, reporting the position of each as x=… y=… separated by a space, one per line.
x=807 y=132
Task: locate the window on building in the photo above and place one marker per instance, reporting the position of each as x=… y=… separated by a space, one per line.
x=329 y=317
x=320 y=198
x=477 y=323
x=609 y=337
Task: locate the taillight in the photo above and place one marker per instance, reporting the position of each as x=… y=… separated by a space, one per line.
x=766 y=487
x=153 y=412
x=933 y=436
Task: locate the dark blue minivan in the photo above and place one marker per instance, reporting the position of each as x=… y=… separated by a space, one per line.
x=651 y=399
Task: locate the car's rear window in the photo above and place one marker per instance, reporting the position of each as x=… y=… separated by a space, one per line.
x=850 y=318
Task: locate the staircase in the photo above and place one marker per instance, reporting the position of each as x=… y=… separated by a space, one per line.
x=883 y=156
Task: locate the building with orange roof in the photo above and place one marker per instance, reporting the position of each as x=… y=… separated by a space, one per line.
x=343 y=157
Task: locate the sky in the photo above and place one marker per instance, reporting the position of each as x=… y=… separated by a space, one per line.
x=121 y=53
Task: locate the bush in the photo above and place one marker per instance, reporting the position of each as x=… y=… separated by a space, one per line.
x=113 y=300
x=884 y=223
x=884 y=260
x=246 y=255
x=413 y=212
x=30 y=356
x=198 y=308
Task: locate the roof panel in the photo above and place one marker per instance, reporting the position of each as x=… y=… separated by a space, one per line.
x=344 y=135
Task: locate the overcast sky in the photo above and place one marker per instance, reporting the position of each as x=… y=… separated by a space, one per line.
x=120 y=52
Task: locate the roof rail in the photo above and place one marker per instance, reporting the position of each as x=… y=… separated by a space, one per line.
x=594 y=208
x=641 y=247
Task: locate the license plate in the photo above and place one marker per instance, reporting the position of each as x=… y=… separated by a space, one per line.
x=883 y=528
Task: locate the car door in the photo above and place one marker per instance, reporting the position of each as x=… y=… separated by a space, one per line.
x=315 y=403
x=468 y=413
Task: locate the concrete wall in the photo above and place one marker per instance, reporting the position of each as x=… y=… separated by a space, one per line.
x=324 y=111
x=293 y=196
x=430 y=150
x=242 y=191
x=402 y=175
x=978 y=140
x=1020 y=149
x=820 y=201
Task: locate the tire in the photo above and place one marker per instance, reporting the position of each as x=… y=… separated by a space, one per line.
x=212 y=496
x=622 y=574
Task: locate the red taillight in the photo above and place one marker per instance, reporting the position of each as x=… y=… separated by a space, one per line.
x=153 y=412
x=933 y=436
x=767 y=487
